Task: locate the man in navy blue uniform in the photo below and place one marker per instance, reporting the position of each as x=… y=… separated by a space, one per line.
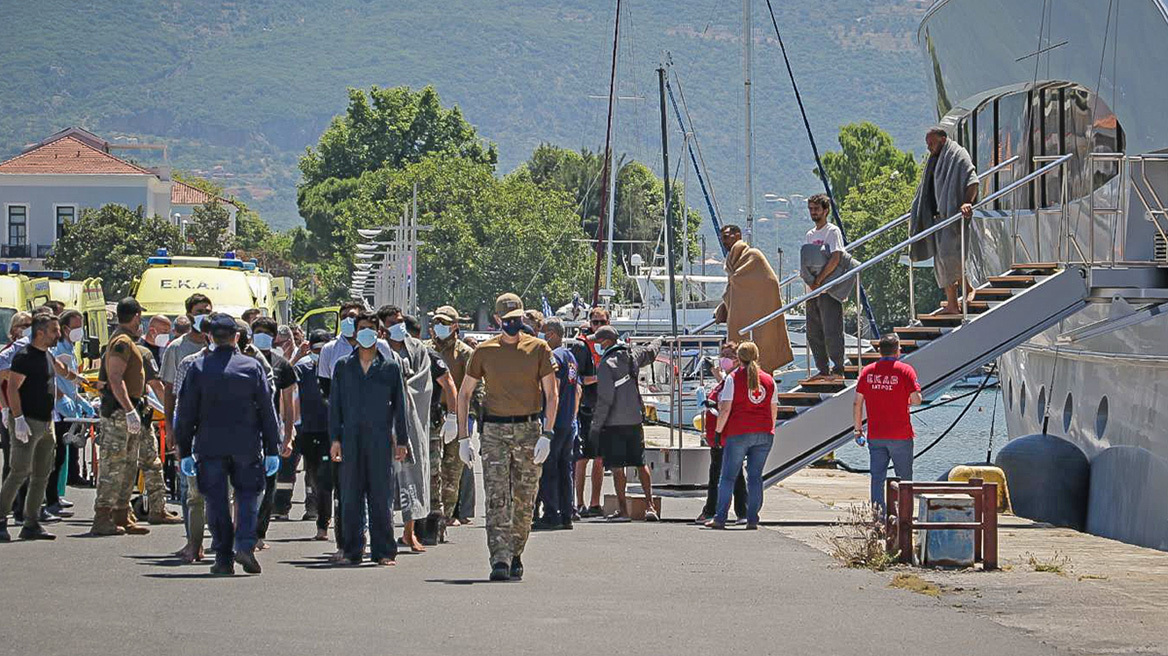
x=227 y=432
x=555 y=483
x=367 y=424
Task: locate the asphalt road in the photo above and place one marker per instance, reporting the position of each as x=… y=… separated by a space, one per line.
x=602 y=588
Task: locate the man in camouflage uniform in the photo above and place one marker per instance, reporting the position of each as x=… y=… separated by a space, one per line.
x=445 y=466
x=122 y=426
x=521 y=386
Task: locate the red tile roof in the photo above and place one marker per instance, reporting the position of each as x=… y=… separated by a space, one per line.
x=70 y=155
x=184 y=194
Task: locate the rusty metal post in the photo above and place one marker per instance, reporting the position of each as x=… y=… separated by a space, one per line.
x=979 y=513
x=904 y=503
x=990 y=526
x=890 y=512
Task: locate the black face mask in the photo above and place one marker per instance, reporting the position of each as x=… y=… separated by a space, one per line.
x=512 y=326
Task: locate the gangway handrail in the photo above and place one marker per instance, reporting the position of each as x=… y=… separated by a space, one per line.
x=904 y=217
x=874 y=234
x=854 y=273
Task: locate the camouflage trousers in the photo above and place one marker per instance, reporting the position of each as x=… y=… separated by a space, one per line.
x=510 y=480
x=445 y=473
x=122 y=452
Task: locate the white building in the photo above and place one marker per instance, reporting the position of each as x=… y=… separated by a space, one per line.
x=51 y=182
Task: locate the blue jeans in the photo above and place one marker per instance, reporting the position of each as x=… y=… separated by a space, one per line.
x=246 y=477
x=879 y=453
x=754 y=449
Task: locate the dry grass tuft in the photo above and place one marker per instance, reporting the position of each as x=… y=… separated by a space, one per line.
x=858 y=540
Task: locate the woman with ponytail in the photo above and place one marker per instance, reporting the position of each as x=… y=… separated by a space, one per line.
x=747 y=410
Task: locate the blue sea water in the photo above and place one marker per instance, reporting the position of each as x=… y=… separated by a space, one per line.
x=966 y=443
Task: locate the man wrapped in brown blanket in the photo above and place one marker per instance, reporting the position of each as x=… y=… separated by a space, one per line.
x=752 y=292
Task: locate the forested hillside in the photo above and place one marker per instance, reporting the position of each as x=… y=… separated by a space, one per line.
x=238 y=89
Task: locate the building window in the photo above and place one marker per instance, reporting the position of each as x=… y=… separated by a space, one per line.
x=65 y=214
x=17 y=225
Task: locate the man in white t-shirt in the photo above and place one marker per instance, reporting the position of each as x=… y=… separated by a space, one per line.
x=825 y=314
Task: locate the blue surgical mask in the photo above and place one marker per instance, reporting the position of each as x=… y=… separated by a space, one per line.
x=596 y=346
x=314 y=356
x=262 y=341
x=442 y=331
x=397 y=332
x=348 y=327
x=197 y=322
x=366 y=337
x=541 y=335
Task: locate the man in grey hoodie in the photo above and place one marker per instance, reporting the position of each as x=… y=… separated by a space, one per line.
x=617 y=423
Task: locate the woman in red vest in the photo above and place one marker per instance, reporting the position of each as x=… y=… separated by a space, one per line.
x=747 y=410
x=726 y=367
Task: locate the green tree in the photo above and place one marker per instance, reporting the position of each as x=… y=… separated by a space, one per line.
x=886 y=195
x=208 y=233
x=639 y=203
x=865 y=149
x=489 y=235
x=112 y=242
x=391 y=128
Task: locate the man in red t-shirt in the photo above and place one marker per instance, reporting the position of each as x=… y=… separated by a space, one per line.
x=887 y=387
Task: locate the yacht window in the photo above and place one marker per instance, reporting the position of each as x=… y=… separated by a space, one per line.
x=1040 y=407
x=1022 y=400
x=1068 y=412
x=1101 y=419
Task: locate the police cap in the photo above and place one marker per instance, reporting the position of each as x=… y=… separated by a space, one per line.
x=447 y=314
x=219 y=324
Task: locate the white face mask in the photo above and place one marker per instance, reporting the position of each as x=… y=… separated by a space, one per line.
x=397 y=332
x=442 y=331
x=76 y=335
x=27 y=332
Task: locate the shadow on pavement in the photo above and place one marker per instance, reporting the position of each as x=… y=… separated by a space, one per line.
x=460 y=581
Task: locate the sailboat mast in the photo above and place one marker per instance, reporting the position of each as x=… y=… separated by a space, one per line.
x=604 y=231
x=747 y=64
x=669 y=209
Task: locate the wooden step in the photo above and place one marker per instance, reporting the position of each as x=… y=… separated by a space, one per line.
x=799 y=398
x=905 y=344
x=940 y=319
x=822 y=386
x=920 y=333
x=1011 y=281
x=866 y=358
x=788 y=412
x=1043 y=267
x=851 y=371
x=993 y=294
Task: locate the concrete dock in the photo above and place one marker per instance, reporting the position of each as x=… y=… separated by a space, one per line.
x=668 y=587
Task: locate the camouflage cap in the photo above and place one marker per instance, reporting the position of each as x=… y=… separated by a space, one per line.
x=509 y=306
x=446 y=313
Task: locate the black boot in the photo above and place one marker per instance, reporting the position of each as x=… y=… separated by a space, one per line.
x=517 y=568
x=35 y=532
x=500 y=572
x=4 y=536
x=221 y=568
x=248 y=561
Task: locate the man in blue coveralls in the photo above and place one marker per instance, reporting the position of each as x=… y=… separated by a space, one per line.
x=367 y=424
x=227 y=431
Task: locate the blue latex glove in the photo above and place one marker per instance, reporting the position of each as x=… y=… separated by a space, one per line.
x=187 y=466
x=67 y=408
x=86 y=408
x=271 y=465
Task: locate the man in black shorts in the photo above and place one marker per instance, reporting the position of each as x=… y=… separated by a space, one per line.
x=619 y=415
x=584 y=351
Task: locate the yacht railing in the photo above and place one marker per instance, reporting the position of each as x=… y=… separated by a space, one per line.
x=851 y=246
x=854 y=274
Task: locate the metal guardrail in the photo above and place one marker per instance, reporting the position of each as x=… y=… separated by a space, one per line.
x=855 y=273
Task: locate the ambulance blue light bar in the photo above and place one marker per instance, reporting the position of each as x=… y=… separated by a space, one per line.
x=3 y=269
x=50 y=275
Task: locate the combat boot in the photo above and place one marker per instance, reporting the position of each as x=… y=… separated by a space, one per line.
x=103 y=523
x=164 y=516
x=124 y=519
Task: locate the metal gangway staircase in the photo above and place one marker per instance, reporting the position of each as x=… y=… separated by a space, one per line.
x=1006 y=310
